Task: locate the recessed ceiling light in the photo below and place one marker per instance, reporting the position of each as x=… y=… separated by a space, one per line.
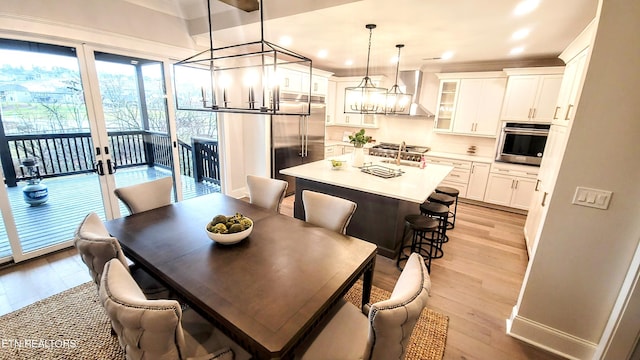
x=520 y=34
x=348 y=62
x=285 y=40
x=323 y=54
x=447 y=55
x=517 y=50
x=526 y=7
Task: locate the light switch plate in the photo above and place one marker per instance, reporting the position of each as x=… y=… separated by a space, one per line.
x=594 y=198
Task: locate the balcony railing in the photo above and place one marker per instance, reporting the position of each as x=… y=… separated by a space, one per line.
x=74 y=153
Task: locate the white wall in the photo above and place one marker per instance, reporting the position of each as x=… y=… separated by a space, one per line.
x=112 y=16
x=584 y=254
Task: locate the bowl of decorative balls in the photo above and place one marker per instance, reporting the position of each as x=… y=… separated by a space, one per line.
x=229 y=229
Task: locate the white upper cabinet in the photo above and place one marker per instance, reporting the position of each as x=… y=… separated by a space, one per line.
x=533 y=96
x=478 y=109
x=319 y=85
x=446 y=104
x=571 y=84
x=290 y=80
x=469 y=103
x=296 y=81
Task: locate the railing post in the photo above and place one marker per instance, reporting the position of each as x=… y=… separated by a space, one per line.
x=147 y=141
x=196 y=154
x=5 y=157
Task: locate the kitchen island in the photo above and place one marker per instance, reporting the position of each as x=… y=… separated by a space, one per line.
x=382 y=202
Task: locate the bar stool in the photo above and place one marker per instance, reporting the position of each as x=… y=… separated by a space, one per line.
x=451 y=192
x=446 y=200
x=421 y=226
x=439 y=212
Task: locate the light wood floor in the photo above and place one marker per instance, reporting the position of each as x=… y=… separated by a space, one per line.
x=476 y=283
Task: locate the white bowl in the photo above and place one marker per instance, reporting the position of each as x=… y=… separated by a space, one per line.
x=228 y=239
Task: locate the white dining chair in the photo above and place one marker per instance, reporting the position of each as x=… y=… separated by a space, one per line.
x=146 y=196
x=96 y=247
x=379 y=332
x=157 y=329
x=266 y=192
x=327 y=211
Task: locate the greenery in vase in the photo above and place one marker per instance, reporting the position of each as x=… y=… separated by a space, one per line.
x=359 y=139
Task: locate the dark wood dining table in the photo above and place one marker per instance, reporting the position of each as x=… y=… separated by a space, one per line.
x=266 y=292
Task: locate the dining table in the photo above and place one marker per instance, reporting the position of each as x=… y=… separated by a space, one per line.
x=267 y=292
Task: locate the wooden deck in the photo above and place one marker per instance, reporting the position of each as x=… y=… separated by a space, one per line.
x=71 y=198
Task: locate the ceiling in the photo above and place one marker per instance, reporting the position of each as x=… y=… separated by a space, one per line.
x=479 y=33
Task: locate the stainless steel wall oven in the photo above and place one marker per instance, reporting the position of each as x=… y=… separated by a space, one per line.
x=522 y=143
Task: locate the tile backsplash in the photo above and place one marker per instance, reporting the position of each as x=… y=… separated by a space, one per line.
x=419 y=131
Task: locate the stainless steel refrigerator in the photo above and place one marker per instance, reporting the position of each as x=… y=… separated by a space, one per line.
x=296 y=140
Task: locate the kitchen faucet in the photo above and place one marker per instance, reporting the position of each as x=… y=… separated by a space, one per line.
x=402 y=146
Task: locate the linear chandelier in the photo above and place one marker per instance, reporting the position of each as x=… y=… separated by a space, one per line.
x=366 y=98
x=396 y=100
x=244 y=78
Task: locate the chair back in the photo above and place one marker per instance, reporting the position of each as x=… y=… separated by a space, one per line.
x=146 y=196
x=149 y=329
x=95 y=246
x=392 y=321
x=327 y=211
x=266 y=192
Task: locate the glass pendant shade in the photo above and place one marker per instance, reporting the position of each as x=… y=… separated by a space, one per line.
x=366 y=98
x=244 y=78
x=396 y=100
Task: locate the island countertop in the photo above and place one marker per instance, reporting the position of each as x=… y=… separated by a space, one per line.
x=414 y=185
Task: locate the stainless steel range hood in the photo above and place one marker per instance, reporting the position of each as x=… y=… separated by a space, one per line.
x=411 y=82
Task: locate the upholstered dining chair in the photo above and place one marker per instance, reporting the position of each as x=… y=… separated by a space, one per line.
x=146 y=196
x=327 y=211
x=379 y=332
x=96 y=247
x=155 y=329
x=266 y=192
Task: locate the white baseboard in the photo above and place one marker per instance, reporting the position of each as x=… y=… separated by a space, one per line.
x=548 y=338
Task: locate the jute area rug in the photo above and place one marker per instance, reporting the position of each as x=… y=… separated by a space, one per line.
x=73 y=325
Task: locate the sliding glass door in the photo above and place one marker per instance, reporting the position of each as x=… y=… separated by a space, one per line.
x=47 y=149
x=134 y=107
x=76 y=122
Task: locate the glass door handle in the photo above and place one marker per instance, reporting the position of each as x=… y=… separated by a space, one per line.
x=111 y=166
x=98 y=167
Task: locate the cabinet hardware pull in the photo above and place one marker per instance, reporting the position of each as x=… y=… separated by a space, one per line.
x=555 y=113
x=473 y=168
x=537 y=183
x=512 y=181
x=286 y=82
x=516 y=184
x=566 y=117
x=544 y=198
x=455 y=175
x=534 y=113
x=529 y=116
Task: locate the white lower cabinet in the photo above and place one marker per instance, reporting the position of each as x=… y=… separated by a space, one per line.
x=458 y=178
x=330 y=150
x=512 y=187
x=478 y=181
